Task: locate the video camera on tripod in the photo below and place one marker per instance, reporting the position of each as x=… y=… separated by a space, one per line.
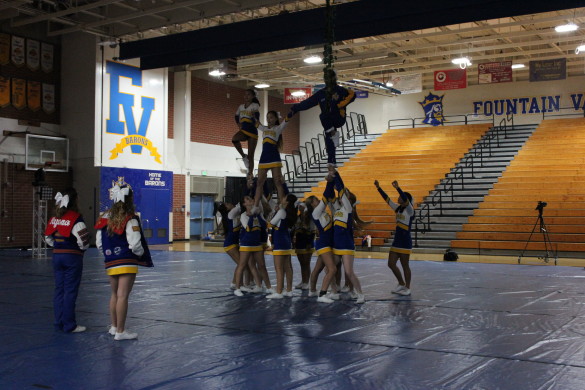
x=540 y=206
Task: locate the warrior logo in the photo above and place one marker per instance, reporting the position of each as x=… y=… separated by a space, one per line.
x=433 y=106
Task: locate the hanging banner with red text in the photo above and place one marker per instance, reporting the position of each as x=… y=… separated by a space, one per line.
x=296 y=95
x=450 y=79
x=494 y=72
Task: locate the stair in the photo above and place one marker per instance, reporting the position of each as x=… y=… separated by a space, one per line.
x=448 y=215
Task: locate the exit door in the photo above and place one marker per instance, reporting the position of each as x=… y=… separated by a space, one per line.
x=154 y=213
x=201 y=215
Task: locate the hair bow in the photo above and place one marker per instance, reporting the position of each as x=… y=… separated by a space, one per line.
x=61 y=201
x=119 y=194
x=355 y=203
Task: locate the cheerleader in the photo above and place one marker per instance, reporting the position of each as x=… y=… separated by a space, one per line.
x=230 y=220
x=246 y=117
x=332 y=118
x=250 y=248
x=303 y=240
x=119 y=237
x=402 y=243
x=270 y=157
x=67 y=234
x=345 y=218
x=284 y=217
x=317 y=209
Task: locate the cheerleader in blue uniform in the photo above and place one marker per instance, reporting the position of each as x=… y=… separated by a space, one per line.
x=345 y=218
x=317 y=209
x=230 y=220
x=284 y=217
x=67 y=234
x=251 y=248
x=303 y=240
x=270 y=157
x=119 y=237
x=246 y=117
x=402 y=243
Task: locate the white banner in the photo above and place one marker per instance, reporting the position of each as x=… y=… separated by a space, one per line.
x=133 y=120
x=410 y=83
x=32 y=54
x=47 y=57
x=17 y=50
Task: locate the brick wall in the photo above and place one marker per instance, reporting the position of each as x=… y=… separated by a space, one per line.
x=213 y=106
x=171 y=106
x=16 y=202
x=179 y=183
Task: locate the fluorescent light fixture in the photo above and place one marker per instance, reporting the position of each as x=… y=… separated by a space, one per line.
x=298 y=93
x=262 y=85
x=216 y=73
x=363 y=81
x=313 y=59
x=580 y=49
x=389 y=84
x=566 y=27
x=517 y=66
x=463 y=62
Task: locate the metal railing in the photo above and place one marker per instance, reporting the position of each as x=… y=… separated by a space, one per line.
x=314 y=152
x=565 y=112
x=465 y=119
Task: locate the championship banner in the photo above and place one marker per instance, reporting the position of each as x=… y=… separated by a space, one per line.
x=494 y=72
x=296 y=95
x=32 y=54
x=33 y=95
x=19 y=93
x=46 y=57
x=17 y=51
x=450 y=79
x=4 y=91
x=548 y=70
x=48 y=98
x=4 y=49
x=411 y=83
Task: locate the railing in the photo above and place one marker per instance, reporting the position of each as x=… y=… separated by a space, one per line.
x=465 y=119
x=314 y=151
x=565 y=111
x=446 y=189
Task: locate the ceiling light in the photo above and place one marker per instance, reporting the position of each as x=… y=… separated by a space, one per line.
x=566 y=27
x=517 y=66
x=262 y=85
x=463 y=62
x=313 y=59
x=389 y=84
x=298 y=93
x=580 y=49
x=216 y=73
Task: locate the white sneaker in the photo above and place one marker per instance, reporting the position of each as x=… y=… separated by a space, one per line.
x=360 y=298
x=275 y=296
x=245 y=289
x=353 y=295
x=288 y=293
x=405 y=291
x=313 y=294
x=238 y=293
x=333 y=296
x=125 y=335
x=232 y=286
x=79 y=329
x=344 y=289
x=398 y=288
x=269 y=291
x=257 y=290
x=305 y=286
x=299 y=286
x=112 y=330
x=324 y=299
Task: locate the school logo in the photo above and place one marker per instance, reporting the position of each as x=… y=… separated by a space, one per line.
x=133 y=130
x=117 y=183
x=433 y=107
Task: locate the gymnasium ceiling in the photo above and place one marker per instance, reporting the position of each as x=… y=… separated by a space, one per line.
x=518 y=39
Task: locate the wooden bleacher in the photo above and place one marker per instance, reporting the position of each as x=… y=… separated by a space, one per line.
x=550 y=168
x=417 y=157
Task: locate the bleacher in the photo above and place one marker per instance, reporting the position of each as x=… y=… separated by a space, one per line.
x=417 y=157
x=548 y=168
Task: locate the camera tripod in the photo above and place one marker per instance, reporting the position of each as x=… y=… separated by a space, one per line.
x=545 y=237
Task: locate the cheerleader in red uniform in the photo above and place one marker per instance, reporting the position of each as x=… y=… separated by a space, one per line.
x=119 y=237
x=67 y=234
x=246 y=117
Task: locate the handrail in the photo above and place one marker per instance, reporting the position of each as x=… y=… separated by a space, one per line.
x=449 y=119
x=575 y=112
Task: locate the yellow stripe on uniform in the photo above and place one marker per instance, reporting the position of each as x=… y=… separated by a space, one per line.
x=269 y=140
x=251 y=135
x=270 y=165
x=401 y=250
x=340 y=223
x=131 y=269
x=402 y=226
x=282 y=252
x=323 y=250
x=257 y=248
x=229 y=248
x=340 y=252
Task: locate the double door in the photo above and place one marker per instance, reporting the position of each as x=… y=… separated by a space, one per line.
x=202 y=218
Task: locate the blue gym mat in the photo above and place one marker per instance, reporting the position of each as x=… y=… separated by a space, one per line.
x=466 y=326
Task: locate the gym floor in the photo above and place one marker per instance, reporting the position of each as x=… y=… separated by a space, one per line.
x=467 y=325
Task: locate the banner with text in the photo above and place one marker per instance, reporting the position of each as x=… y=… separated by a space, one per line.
x=494 y=72
x=450 y=79
x=410 y=83
x=548 y=70
x=296 y=95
